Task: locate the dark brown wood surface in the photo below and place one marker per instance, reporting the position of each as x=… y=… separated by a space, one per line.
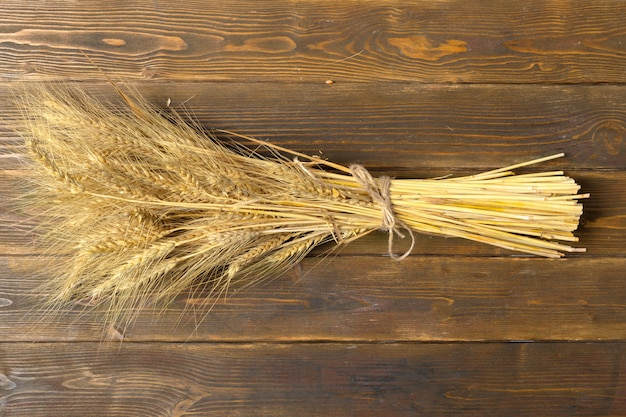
x=313 y=379
x=419 y=89
x=311 y=41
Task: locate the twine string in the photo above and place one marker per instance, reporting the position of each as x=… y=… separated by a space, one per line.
x=380 y=194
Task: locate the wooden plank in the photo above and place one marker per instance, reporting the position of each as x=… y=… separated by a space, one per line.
x=356 y=298
x=397 y=380
x=602 y=229
x=297 y=41
x=402 y=129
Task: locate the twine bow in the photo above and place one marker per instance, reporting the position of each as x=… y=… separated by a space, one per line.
x=379 y=191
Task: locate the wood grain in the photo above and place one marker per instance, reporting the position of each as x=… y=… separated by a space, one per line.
x=363 y=298
x=416 y=88
x=412 y=129
x=521 y=379
x=312 y=41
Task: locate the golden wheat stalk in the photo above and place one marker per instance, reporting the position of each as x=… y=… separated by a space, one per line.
x=145 y=206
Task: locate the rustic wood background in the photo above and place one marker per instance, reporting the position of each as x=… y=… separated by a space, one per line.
x=419 y=88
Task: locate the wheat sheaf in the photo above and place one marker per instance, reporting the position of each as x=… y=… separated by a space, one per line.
x=142 y=205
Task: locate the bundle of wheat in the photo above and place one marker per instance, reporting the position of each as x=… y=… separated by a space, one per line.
x=146 y=206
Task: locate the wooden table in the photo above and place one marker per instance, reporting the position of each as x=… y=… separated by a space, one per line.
x=407 y=88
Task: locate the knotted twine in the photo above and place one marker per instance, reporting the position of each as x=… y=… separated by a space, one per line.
x=380 y=194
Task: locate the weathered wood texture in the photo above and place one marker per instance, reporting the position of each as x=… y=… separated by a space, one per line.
x=419 y=89
x=407 y=130
x=367 y=298
x=521 y=379
x=300 y=41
